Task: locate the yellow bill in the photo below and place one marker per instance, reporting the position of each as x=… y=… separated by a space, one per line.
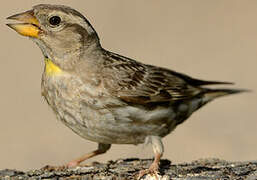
x=25 y=29
x=30 y=25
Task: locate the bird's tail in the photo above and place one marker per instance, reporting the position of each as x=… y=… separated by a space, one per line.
x=211 y=94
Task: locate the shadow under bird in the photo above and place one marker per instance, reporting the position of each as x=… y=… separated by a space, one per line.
x=105 y=97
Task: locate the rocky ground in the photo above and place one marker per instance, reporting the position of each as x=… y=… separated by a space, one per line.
x=126 y=169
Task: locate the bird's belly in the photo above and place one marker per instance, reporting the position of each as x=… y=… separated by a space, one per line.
x=104 y=125
x=88 y=116
x=98 y=125
x=85 y=114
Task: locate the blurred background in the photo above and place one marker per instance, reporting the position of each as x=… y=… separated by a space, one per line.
x=212 y=40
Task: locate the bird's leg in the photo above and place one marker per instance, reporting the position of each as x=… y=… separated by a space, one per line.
x=102 y=148
x=158 y=152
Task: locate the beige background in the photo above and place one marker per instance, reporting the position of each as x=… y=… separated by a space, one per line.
x=213 y=40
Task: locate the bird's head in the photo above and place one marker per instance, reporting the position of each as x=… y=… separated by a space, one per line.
x=62 y=33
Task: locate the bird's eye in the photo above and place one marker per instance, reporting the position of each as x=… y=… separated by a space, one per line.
x=55 y=20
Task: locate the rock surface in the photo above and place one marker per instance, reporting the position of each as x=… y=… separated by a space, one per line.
x=126 y=169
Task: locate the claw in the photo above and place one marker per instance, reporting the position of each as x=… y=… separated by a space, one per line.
x=53 y=168
x=153 y=170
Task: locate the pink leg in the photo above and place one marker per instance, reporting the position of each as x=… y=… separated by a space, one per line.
x=102 y=148
x=158 y=152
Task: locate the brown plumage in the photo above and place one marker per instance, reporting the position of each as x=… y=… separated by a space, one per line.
x=105 y=97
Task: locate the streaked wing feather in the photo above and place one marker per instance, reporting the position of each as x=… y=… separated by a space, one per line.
x=139 y=83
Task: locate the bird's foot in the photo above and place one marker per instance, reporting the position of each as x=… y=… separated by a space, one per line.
x=53 y=168
x=75 y=163
x=72 y=164
x=153 y=170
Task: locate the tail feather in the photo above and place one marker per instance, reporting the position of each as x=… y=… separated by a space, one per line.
x=203 y=83
x=198 y=82
x=211 y=94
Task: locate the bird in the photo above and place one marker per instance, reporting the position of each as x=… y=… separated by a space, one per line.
x=105 y=97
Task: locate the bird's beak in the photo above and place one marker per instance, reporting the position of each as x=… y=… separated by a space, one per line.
x=28 y=27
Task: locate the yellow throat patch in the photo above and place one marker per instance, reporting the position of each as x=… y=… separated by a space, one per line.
x=50 y=68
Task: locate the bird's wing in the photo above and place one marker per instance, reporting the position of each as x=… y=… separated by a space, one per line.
x=139 y=83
